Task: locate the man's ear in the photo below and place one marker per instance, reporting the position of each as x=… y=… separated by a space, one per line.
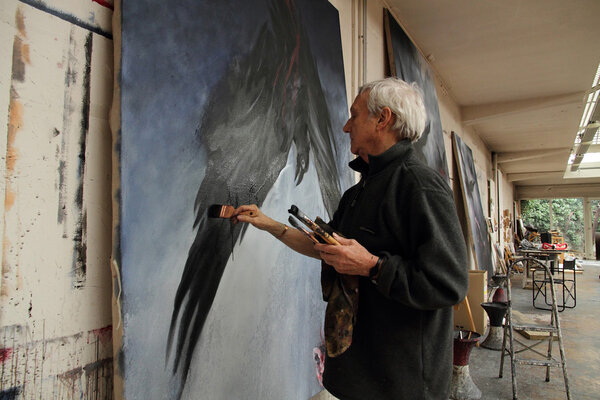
x=386 y=118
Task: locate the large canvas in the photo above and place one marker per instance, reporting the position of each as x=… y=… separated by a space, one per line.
x=476 y=221
x=229 y=102
x=408 y=64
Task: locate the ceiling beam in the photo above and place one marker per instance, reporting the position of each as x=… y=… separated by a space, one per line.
x=557 y=191
x=531 y=154
x=472 y=115
x=526 y=176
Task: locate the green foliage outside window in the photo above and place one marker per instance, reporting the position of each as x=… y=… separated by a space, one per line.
x=536 y=213
x=595 y=215
x=563 y=215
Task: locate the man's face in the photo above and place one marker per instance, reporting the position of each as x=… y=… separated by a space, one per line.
x=362 y=128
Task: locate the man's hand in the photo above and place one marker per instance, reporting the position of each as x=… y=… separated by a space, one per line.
x=259 y=219
x=351 y=258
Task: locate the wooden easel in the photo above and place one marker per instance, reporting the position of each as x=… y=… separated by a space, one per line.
x=469 y=314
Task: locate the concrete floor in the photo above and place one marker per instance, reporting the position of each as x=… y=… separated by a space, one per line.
x=581 y=334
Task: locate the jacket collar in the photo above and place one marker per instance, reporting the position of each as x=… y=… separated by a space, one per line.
x=399 y=151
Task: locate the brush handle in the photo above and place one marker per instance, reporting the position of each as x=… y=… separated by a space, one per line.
x=295 y=224
x=249 y=213
x=315 y=228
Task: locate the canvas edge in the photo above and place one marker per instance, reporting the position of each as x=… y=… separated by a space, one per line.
x=115 y=261
x=391 y=62
x=458 y=162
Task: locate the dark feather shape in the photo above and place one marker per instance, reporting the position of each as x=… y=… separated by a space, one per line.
x=268 y=99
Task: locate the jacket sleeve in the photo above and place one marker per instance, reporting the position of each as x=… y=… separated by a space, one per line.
x=432 y=273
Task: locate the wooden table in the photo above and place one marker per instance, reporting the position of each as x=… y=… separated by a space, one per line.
x=547 y=255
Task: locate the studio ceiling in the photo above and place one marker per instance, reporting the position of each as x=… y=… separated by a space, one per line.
x=519 y=70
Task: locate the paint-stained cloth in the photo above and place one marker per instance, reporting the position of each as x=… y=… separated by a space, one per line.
x=341 y=294
x=402 y=340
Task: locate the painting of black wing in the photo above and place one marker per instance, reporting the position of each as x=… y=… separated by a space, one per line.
x=409 y=65
x=476 y=221
x=232 y=102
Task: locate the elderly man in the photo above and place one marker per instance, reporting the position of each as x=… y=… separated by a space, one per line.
x=401 y=264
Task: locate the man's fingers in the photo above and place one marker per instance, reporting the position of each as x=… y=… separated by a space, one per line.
x=328 y=258
x=246 y=207
x=243 y=218
x=344 y=241
x=326 y=248
x=341 y=240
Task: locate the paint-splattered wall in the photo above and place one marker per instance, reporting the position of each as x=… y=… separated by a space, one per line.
x=55 y=93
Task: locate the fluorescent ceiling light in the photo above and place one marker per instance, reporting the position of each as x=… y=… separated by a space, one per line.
x=587 y=135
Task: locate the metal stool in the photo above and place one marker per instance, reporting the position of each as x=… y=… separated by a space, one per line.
x=552 y=330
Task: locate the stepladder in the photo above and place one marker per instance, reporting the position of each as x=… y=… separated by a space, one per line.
x=551 y=330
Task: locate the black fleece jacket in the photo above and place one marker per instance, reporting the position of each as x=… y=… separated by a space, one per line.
x=402 y=341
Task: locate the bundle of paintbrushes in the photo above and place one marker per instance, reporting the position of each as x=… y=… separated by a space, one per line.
x=318 y=231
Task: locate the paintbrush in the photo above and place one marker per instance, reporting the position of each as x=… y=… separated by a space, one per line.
x=314 y=227
x=296 y=225
x=225 y=211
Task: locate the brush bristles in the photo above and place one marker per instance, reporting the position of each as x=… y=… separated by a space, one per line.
x=220 y=211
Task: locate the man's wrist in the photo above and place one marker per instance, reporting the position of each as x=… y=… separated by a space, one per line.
x=279 y=230
x=375 y=271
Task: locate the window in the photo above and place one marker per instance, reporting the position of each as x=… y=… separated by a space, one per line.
x=562 y=215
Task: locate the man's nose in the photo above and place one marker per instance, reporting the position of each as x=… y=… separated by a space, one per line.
x=347 y=127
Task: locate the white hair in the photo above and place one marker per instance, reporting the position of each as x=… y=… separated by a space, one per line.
x=406 y=102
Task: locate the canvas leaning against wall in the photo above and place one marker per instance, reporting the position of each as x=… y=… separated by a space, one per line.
x=223 y=103
x=408 y=64
x=476 y=221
